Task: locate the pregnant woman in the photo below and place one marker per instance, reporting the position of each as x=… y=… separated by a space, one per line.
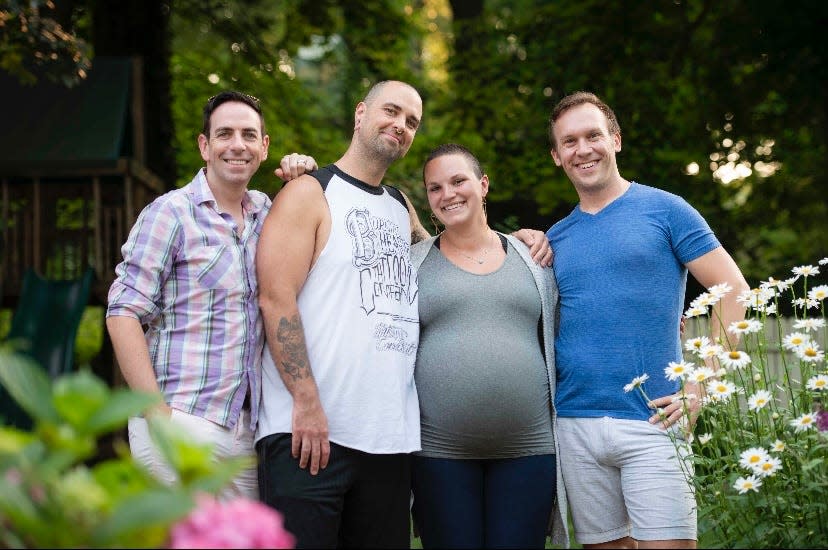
x=487 y=475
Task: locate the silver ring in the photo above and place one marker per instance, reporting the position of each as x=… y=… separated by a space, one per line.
x=302 y=161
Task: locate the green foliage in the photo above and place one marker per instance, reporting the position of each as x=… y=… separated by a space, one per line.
x=33 y=42
x=53 y=494
x=779 y=501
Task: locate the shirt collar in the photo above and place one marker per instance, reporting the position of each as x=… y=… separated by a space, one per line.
x=251 y=202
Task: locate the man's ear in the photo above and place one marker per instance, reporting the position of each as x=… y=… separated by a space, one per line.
x=202 y=146
x=358 y=114
x=555 y=157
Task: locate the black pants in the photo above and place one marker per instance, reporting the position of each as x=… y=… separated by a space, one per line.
x=359 y=501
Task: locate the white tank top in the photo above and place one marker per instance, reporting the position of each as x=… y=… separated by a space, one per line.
x=360 y=317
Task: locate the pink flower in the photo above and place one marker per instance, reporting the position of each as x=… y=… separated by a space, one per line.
x=822 y=420
x=239 y=523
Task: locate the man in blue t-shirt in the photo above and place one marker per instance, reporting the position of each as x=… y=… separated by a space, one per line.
x=621 y=260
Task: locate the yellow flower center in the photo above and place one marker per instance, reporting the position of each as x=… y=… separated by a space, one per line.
x=754 y=459
x=810 y=352
x=734 y=355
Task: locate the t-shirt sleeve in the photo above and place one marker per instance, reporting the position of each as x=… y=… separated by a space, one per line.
x=690 y=233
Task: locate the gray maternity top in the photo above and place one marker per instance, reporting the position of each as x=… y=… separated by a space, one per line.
x=480 y=371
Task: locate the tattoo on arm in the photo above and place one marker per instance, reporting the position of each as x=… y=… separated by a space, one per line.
x=294 y=360
x=418 y=234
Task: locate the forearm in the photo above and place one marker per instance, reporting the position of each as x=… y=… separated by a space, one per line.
x=132 y=353
x=728 y=310
x=286 y=341
x=133 y=357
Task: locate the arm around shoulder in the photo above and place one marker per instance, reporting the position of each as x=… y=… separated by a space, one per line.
x=418 y=232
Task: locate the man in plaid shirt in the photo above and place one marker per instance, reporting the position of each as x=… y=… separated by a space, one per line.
x=183 y=310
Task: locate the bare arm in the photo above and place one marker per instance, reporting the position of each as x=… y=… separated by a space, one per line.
x=710 y=269
x=718 y=267
x=292 y=236
x=418 y=232
x=133 y=357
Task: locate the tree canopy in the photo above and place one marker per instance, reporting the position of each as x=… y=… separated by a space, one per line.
x=721 y=102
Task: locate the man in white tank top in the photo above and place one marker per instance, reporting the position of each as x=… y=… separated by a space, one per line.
x=339 y=411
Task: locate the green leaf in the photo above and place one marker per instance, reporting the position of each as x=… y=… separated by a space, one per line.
x=121 y=404
x=28 y=384
x=13 y=441
x=78 y=396
x=191 y=459
x=222 y=474
x=813 y=463
x=161 y=507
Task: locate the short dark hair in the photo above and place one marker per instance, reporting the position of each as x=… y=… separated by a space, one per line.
x=227 y=96
x=580 y=98
x=454 y=149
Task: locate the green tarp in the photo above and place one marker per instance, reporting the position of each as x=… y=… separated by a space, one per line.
x=48 y=124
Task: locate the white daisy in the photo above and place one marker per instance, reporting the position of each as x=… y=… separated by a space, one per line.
x=778 y=446
x=755 y=297
x=805 y=304
x=679 y=370
x=810 y=353
x=705 y=300
x=734 y=359
x=720 y=390
x=768 y=467
x=776 y=284
x=818 y=382
x=695 y=312
x=806 y=270
x=818 y=293
x=720 y=289
x=749 y=483
x=705 y=438
x=753 y=456
x=795 y=340
x=769 y=309
x=637 y=381
x=695 y=344
x=805 y=422
x=823 y=261
x=700 y=374
x=814 y=323
x=713 y=350
x=745 y=326
x=759 y=399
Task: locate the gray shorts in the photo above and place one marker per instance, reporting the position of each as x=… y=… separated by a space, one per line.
x=624 y=478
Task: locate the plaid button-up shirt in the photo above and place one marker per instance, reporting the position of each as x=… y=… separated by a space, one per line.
x=190 y=279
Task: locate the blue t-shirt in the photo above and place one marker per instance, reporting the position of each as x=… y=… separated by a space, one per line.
x=621 y=276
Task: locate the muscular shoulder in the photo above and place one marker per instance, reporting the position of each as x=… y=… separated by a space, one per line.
x=303 y=191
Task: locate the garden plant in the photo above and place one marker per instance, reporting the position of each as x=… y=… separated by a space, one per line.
x=55 y=493
x=758 y=464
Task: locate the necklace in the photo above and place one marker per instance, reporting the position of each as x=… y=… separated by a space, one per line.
x=478 y=261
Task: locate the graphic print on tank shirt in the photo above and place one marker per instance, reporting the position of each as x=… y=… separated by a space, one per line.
x=386 y=280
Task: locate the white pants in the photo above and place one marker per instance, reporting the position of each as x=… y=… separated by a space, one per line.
x=227 y=442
